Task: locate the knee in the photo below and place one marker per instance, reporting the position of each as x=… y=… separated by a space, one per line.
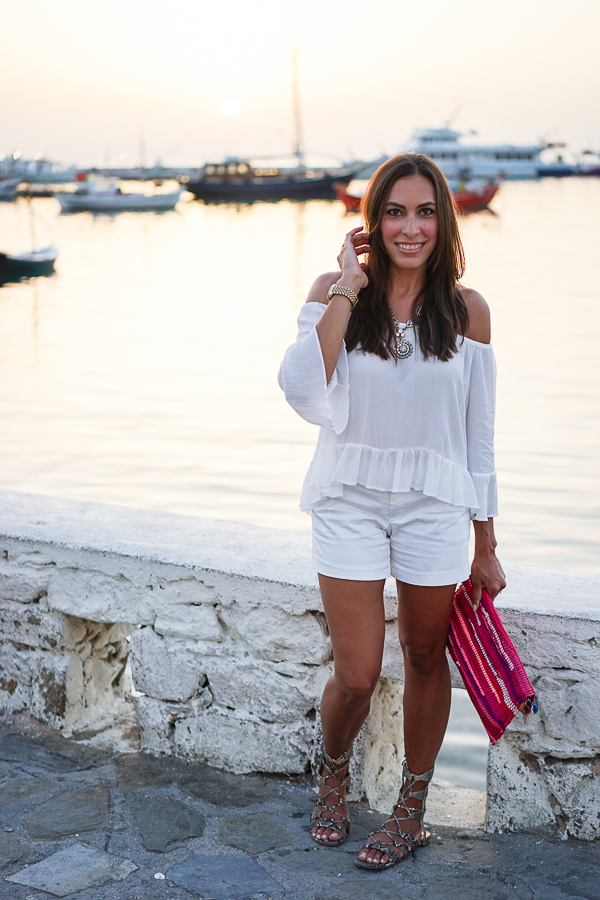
x=424 y=659
x=358 y=686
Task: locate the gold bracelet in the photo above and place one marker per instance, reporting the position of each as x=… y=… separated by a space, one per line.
x=346 y=292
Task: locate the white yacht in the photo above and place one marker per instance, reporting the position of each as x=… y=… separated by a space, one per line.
x=491 y=161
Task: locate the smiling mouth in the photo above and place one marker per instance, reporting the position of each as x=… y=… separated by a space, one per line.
x=408 y=248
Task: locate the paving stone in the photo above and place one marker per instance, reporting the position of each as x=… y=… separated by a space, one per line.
x=229 y=791
x=254 y=834
x=14 y=748
x=20 y=789
x=11 y=849
x=374 y=890
x=164 y=823
x=75 y=812
x=475 y=887
x=139 y=770
x=74 y=869
x=312 y=861
x=223 y=877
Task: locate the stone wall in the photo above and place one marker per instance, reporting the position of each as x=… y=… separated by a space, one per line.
x=228 y=646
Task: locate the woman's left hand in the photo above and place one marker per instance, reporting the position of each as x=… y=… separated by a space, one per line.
x=487 y=572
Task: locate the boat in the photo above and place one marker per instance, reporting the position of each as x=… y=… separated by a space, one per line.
x=245 y=181
x=470 y=196
x=38 y=171
x=488 y=161
x=588 y=163
x=239 y=181
x=97 y=198
x=8 y=190
x=27 y=265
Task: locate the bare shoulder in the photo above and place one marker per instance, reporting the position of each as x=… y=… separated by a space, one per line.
x=319 y=289
x=480 y=328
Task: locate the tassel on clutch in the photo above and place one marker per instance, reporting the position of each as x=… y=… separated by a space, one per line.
x=490 y=667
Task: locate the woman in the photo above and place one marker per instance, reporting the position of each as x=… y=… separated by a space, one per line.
x=393 y=361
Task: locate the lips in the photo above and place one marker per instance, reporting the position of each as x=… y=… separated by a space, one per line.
x=410 y=248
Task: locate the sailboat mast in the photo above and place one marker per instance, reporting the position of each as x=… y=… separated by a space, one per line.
x=299 y=137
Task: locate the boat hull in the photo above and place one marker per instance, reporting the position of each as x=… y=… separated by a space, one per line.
x=27 y=265
x=467 y=201
x=117 y=202
x=266 y=189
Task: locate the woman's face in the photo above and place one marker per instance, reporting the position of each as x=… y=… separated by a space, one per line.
x=409 y=226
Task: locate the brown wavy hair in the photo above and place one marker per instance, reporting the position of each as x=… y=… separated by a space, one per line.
x=443 y=315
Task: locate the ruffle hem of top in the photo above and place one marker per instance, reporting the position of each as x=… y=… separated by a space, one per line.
x=397 y=471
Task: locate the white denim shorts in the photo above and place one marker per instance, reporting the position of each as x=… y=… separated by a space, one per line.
x=367 y=535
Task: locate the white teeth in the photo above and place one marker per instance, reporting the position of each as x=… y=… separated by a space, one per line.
x=410 y=246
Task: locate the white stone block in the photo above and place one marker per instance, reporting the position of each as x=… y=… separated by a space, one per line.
x=574 y=790
x=157 y=719
x=376 y=766
x=273 y=634
x=94 y=595
x=248 y=593
x=257 y=688
x=49 y=686
x=570 y=710
x=243 y=743
x=554 y=641
x=189 y=621
x=526 y=792
x=165 y=668
x=31 y=625
x=20 y=580
x=517 y=795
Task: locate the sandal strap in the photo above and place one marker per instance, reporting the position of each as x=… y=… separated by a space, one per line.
x=408 y=793
x=332 y=768
x=320 y=822
x=335 y=767
x=390 y=849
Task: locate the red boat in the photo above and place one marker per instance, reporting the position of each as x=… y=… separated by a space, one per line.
x=468 y=201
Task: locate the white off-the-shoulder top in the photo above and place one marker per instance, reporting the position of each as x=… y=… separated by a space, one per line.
x=415 y=424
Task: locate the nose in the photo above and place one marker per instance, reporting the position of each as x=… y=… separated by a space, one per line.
x=411 y=226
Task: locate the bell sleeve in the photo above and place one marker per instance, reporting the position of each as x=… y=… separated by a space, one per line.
x=481 y=406
x=303 y=379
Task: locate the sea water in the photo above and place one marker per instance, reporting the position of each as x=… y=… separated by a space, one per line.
x=143 y=373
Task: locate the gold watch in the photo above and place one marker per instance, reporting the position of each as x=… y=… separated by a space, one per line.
x=346 y=292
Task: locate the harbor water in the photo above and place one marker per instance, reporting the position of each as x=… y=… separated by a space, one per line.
x=143 y=373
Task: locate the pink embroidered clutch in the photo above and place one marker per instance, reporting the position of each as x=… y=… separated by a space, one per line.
x=489 y=665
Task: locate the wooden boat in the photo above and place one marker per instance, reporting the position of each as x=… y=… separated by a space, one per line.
x=27 y=265
x=238 y=181
x=113 y=200
x=467 y=200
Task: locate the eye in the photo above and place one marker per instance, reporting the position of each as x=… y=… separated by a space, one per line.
x=428 y=211
x=394 y=212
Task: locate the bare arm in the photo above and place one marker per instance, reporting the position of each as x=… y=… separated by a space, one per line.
x=486 y=570
x=480 y=327
x=332 y=325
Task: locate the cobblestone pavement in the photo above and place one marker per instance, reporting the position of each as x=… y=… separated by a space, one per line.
x=78 y=822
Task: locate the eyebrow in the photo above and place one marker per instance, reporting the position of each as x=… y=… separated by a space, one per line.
x=401 y=205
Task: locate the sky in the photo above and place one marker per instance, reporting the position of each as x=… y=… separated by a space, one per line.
x=125 y=81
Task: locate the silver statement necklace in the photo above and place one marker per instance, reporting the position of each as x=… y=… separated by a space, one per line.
x=403 y=347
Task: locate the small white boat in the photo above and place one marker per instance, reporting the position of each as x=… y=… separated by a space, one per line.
x=14 y=267
x=111 y=200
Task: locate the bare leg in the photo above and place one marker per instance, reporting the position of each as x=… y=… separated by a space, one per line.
x=423 y=622
x=356 y=620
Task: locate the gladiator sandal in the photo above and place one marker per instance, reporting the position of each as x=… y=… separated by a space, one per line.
x=325 y=815
x=399 y=840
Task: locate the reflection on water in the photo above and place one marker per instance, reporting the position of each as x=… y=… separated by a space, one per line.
x=144 y=372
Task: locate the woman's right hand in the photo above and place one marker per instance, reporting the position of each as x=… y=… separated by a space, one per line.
x=353 y=275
